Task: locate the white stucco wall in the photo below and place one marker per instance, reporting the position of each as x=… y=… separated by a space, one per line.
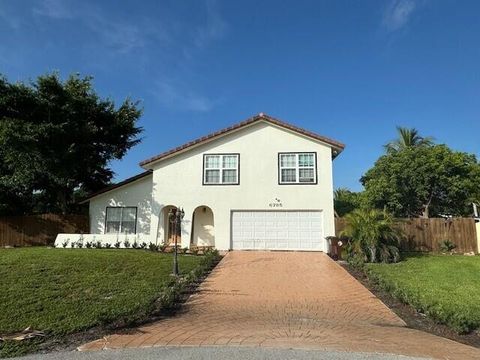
x=178 y=181
x=137 y=193
x=478 y=236
x=204 y=227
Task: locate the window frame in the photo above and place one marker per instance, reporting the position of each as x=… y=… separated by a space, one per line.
x=297 y=168
x=204 y=169
x=121 y=219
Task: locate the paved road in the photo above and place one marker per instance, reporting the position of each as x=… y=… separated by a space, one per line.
x=301 y=300
x=213 y=353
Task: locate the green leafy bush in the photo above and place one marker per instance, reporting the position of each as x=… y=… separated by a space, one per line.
x=447 y=246
x=373 y=237
x=153 y=247
x=168 y=299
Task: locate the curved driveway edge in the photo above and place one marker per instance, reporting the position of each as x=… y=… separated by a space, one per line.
x=288 y=300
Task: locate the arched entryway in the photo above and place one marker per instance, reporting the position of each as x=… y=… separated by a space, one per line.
x=203 y=230
x=170 y=232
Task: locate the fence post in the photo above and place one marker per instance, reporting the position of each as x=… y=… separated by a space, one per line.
x=477 y=230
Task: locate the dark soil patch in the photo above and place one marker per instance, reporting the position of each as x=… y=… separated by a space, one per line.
x=410 y=315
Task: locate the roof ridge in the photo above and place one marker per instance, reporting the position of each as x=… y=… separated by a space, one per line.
x=258 y=117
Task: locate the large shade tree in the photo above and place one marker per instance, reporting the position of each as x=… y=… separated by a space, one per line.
x=407 y=138
x=345 y=201
x=424 y=181
x=57 y=138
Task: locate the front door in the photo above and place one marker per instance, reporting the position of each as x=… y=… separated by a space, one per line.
x=171 y=234
x=171 y=231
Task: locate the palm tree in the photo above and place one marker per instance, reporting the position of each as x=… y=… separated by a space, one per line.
x=345 y=201
x=407 y=137
x=341 y=193
x=372 y=232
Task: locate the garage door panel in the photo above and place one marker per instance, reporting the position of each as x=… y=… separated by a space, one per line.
x=271 y=235
x=259 y=245
x=282 y=230
x=271 y=244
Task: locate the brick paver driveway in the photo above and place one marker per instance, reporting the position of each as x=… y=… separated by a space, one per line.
x=287 y=299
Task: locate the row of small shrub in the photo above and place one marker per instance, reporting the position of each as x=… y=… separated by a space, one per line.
x=169 y=298
x=184 y=250
x=173 y=292
x=128 y=245
x=99 y=245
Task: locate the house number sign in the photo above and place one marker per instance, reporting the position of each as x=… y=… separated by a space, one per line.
x=276 y=204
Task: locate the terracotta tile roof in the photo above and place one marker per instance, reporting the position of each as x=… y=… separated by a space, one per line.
x=338 y=146
x=117 y=185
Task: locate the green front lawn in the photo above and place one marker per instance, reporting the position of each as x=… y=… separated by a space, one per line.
x=62 y=291
x=447 y=288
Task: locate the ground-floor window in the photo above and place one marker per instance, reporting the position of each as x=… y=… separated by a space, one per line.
x=121 y=219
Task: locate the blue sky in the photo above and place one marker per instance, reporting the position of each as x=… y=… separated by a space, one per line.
x=350 y=70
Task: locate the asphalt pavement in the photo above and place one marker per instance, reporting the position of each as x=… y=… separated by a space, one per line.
x=212 y=353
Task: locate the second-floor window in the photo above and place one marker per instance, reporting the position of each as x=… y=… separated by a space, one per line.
x=297 y=168
x=220 y=169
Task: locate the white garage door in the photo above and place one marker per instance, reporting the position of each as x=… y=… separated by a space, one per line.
x=277 y=230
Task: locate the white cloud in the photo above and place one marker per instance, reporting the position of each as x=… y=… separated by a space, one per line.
x=177 y=97
x=121 y=34
x=55 y=9
x=214 y=28
x=117 y=35
x=398 y=13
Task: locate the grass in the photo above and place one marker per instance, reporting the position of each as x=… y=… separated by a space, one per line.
x=444 y=287
x=63 y=291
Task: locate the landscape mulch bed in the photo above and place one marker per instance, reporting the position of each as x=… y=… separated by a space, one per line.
x=410 y=315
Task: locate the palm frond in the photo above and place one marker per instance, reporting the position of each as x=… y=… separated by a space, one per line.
x=407 y=137
x=371 y=232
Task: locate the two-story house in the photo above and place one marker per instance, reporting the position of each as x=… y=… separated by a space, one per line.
x=259 y=184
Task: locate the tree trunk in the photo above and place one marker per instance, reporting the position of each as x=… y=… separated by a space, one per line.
x=426 y=207
x=373 y=254
x=426 y=211
x=62 y=197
